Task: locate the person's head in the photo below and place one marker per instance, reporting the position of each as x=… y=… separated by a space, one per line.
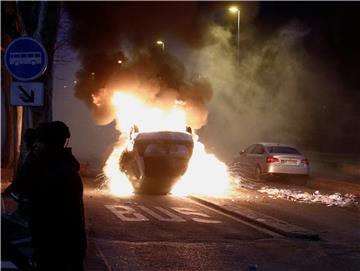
x=52 y=135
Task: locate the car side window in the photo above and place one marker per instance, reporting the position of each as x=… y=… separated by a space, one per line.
x=259 y=149
x=250 y=149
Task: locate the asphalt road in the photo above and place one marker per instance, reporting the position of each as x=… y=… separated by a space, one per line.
x=164 y=233
x=333 y=223
x=141 y=232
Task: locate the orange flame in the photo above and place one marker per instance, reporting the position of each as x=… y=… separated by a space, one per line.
x=205 y=173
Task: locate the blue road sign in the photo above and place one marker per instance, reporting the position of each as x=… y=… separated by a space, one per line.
x=27 y=94
x=25 y=59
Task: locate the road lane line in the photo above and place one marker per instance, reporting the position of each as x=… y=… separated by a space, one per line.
x=192 y=212
x=261 y=220
x=264 y=230
x=102 y=256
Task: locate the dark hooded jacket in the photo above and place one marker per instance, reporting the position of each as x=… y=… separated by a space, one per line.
x=56 y=215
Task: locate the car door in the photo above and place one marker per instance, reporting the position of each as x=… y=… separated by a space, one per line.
x=258 y=157
x=247 y=158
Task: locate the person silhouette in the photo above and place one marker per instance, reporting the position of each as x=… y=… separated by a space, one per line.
x=56 y=211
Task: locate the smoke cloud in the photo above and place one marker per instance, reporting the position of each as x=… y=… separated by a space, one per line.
x=126 y=32
x=279 y=91
x=159 y=80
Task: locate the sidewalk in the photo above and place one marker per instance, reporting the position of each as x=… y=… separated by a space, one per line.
x=343 y=178
x=335 y=185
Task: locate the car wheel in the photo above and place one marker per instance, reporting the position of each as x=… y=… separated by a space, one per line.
x=258 y=173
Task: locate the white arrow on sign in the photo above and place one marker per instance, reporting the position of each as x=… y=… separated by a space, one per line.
x=27 y=94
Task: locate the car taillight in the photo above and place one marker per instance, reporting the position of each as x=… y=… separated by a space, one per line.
x=305 y=161
x=271 y=159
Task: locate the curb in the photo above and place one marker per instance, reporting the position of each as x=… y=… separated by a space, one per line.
x=334 y=185
x=264 y=221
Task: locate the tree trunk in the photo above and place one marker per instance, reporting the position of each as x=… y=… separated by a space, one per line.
x=44 y=29
x=11 y=29
x=46 y=33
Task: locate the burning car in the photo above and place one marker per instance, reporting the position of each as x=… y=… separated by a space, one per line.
x=156 y=160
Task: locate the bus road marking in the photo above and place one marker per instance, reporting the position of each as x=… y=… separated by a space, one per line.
x=192 y=212
x=127 y=213
x=171 y=217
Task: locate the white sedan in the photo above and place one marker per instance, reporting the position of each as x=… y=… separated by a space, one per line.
x=268 y=159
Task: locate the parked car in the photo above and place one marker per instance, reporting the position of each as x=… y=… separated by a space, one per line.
x=157 y=160
x=269 y=159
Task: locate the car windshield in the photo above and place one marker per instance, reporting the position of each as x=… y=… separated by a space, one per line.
x=281 y=149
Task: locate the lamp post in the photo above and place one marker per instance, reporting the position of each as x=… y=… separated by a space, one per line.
x=160 y=42
x=236 y=10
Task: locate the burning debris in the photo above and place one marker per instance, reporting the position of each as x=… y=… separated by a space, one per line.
x=335 y=199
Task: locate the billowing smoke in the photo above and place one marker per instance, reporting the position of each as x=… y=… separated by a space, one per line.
x=158 y=79
x=280 y=90
x=277 y=92
x=117 y=50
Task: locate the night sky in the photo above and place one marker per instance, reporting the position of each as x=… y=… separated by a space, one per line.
x=334 y=35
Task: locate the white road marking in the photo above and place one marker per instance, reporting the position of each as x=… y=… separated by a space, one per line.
x=170 y=216
x=108 y=266
x=269 y=232
x=126 y=213
x=192 y=212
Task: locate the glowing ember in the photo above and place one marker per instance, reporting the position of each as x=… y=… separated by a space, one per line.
x=205 y=173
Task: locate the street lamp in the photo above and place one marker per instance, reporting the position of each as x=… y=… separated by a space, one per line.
x=160 y=42
x=234 y=9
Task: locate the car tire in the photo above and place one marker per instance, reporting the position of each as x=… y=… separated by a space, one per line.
x=258 y=173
